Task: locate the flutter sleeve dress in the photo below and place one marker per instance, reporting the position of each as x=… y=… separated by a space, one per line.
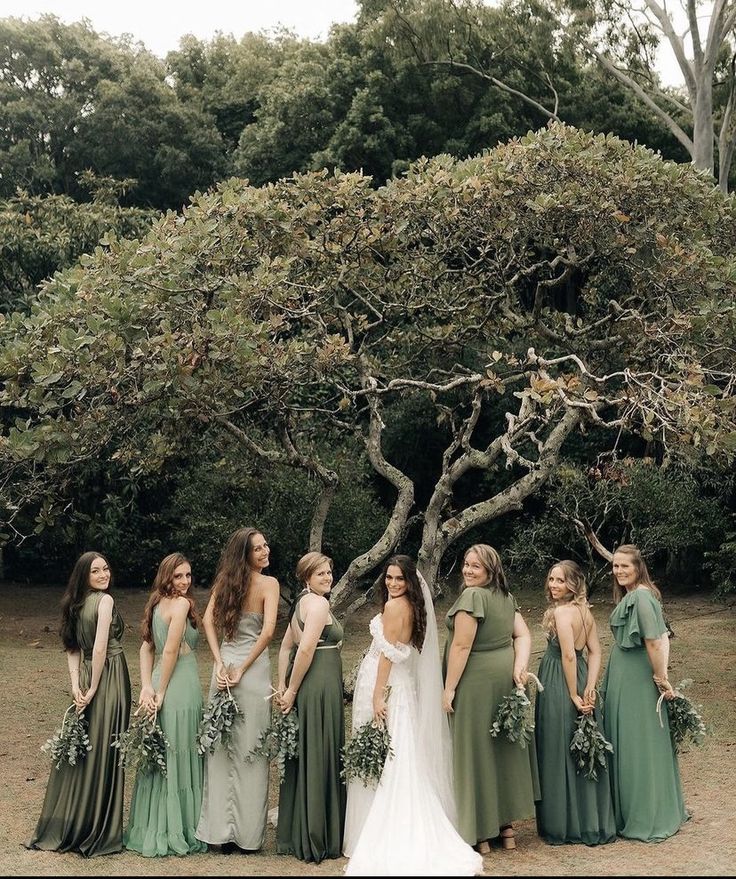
x=645 y=778
x=495 y=780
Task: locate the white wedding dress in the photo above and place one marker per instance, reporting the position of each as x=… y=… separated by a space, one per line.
x=402 y=827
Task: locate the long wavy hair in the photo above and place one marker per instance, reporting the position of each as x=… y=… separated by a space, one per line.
x=232 y=579
x=73 y=598
x=163 y=587
x=491 y=561
x=413 y=592
x=642 y=574
x=577 y=594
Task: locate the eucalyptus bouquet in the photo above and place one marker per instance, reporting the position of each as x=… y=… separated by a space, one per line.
x=685 y=719
x=280 y=741
x=70 y=743
x=143 y=745
x=589 y=747
x=514 y=716
x=217 y=722
x=365 y=754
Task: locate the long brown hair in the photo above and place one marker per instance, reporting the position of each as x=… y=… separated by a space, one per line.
x=642 y=574
x=408 y=568
x=76 y=591
x=491 y=561
x=575 y=580
x=163 y=587
x=232 y=580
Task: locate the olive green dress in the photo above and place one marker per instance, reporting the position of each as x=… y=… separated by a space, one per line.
x=312 y=796
x=572 y=808
x=83 y=808
x=165 y=808
x=645 y=778
x=495 y=780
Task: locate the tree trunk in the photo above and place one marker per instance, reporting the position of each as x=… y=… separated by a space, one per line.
x=703 y=126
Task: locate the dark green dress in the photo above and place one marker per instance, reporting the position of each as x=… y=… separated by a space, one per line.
x=83 y=808
x=164 y=810
x=572 y=808
x=312 y=796
x=495 y=780
x=645 y=778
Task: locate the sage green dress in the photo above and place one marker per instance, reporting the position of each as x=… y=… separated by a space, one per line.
x=572 y=808
x=312 y=796
x=235 y=798
x=645 y=778
x=165 y=809
x=83 y=808
x=495 y=780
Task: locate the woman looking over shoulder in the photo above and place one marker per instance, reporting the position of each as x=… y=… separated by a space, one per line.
x=243 y=607
x=572 y=808
x=645 y=777
x=83 y=807
x=486 y=655
x=165 y=809
x=312 y=794
x=403 y=826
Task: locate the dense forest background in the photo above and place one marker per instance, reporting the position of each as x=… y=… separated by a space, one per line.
x=101 y=141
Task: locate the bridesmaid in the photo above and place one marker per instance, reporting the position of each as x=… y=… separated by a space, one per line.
x=572 y=808
x=83 y=808
x=243 y=606
x=312 y=796
x=645 y=777
x=165 y=809
x=486 y=655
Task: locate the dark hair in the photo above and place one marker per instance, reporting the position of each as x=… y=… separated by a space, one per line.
x=163 y=587
x=76 y=591
x=408 y=568
x=232 y=580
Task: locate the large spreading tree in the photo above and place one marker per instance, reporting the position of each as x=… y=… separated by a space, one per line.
x=559 y=282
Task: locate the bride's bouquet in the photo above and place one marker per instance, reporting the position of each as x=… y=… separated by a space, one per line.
x=685 y=719
x=217 y=722
x=365 y=755
x=143 y=745
x=589 y=747
x=70 y=743
x=280 y=741
x=514 y=716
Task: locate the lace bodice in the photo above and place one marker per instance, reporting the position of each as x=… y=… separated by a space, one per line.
x=396 y=653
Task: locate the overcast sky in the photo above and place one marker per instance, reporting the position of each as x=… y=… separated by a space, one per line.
x=159 y=24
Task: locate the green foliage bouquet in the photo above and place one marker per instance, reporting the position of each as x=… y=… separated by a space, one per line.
x=217 y=722
x=514 y=716
x=70 y=743
x=365 y=755
x=143 y=745
x=280 y=742
x=589 y=747
x=686 y=721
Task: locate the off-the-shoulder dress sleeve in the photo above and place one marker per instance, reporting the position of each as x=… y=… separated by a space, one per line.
x=393 y=652
x=637 y=616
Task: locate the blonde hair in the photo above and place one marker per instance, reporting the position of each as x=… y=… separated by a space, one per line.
x=578 y=592
x=308 y=564
x=491 y=561
x=642 y=574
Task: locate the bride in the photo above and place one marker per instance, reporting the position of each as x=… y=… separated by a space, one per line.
x=405 y=825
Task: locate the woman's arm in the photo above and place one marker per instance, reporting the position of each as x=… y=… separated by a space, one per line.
x=566 y=637
x=466 y=627
x=99 y=650
x=392 y=618
x=522 y=649
x=170 y=654
x=148 y=694
x=595 y=657
x=74 y=660
x=658 y=651
x=270 y=610
x=316 y=613
x=208 y=621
